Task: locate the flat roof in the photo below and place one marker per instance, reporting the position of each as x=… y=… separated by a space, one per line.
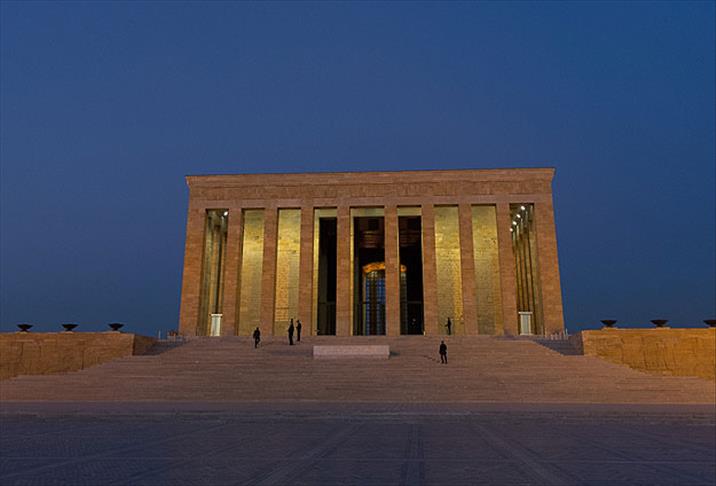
x=375 y=177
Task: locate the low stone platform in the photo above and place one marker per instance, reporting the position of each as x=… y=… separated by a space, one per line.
x=347 y=351
x=41 y=353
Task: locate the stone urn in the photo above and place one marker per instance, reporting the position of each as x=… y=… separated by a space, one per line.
x=659 y=322
x=69 y=327
x=710 y=322
x=609 y=323
x=24 y=327
x=116 y=326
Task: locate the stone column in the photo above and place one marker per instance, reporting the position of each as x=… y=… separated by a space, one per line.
x=467 y=263
x=305 y=289
x=507 y=269
x=268 y=276
x=191 y=277
x=392 y=271
x=343 y=272
x=232 y=264
x=548 y=267
x=430 y=295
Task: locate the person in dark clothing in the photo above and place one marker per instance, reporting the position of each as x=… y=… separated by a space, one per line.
x=257 y=338
x=290 y=333
x=298 y=331
x=443 y=352
x=449 y=326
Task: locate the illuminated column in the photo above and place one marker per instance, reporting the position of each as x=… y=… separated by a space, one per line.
x=191 y=277
x=467 y=261
x=268 y=277
x=392 y=271
x=343 y=272
x=548 y=264
x=305 y=292
x=430 y=302
x=507 y=269
x=231 y=277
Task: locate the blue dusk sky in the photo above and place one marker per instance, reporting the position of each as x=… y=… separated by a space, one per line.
x=106 y=106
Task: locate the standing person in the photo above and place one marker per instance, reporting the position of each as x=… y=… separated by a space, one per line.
x=298 y=331
x=257 y=338
x=449 y=326
x=443 y=352
x=290 y=333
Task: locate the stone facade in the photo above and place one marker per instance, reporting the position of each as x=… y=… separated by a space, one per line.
x=679 y=352
x=54 y=352
x=449 y=257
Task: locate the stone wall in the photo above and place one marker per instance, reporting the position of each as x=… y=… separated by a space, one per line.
x=44 y=353
x=680 y=352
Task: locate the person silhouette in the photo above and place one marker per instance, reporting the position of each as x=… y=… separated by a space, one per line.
x=257 y=338
x=290 y=333
x=449 y=326
x=443 y=352
x=298 y=331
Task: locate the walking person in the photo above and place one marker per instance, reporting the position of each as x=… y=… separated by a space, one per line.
x=290 y=333
x=449 y=326
x=443 y=352
x=298 y=331
x=257 y=338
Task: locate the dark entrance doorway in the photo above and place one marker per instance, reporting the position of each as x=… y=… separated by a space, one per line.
x=327 y=264
x=411 y=276
x=368 y=276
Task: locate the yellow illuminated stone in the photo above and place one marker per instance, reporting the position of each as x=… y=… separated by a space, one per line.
x=448 y=268
x=288 y=252
x=487 y=269
x=251 y=267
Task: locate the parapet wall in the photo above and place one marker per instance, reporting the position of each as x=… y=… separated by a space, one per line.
x=679 y=352
x=44 y=353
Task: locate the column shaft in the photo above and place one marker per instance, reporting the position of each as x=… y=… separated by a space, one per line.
x=467 y=262
x=343 y=272
x=191 y=277
x=548 y=267
x=232 y=264
x=507 y=269
x=392 y=271
x=268 y=276
x=430 y=295
x=305 y=290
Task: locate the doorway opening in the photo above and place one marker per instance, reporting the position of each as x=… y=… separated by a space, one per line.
x=411 y=275
x=327 y=268
x=369 y=276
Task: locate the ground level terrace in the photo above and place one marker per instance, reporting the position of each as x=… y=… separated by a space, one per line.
x=372 y=253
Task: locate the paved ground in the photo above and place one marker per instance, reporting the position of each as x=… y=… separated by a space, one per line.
x=341 y=443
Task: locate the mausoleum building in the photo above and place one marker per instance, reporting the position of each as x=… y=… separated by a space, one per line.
x=372 y=253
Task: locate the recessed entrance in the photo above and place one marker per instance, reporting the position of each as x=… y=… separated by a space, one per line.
x=326 y=282
x=369 y=276
x=411 y=275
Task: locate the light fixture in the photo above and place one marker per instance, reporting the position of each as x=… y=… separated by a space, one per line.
x=514 y=223
x=519 y=215
x=522 y=208
x=226 y=213
x=511 y=230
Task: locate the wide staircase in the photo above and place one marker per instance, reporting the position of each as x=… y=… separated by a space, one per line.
x=480 y=369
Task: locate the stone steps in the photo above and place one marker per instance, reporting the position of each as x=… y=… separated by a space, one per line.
x=481 y=368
